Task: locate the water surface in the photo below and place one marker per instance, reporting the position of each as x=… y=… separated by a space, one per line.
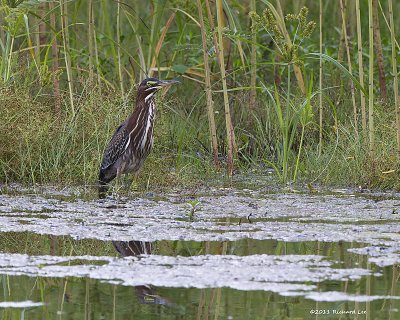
x=216 y=253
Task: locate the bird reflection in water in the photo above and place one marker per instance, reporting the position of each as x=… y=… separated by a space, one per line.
x=146 y=294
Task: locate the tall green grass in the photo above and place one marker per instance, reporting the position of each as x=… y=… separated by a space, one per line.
x=69 y=72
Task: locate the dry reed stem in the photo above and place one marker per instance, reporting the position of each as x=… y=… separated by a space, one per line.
x=395 y=76
x=379 y=52
x=228 y=119
x=361 y=70
x=253 y=70
x=342 y=44
x=120 y=77
x=320 y=76
x=371 y=83
x=160 y=42
x=217 y=49
x=207 y=78
x=54 y=65
x=65 y=37
x=36 y=21
x=90 y=40
x=212 y=25
x=353 y=97
x=42 y=25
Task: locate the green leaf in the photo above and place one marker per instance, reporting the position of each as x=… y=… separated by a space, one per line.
x=345 y=72
x=180 y=68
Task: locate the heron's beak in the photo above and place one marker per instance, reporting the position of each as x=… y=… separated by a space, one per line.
x=164 y=83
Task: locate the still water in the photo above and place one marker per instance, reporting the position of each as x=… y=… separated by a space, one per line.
x=210 y=254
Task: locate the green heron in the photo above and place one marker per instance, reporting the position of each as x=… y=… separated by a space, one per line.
x=133 y=139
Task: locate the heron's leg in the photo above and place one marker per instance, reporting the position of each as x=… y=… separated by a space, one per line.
x=126 y=183
x=118 y=180
x=133 y=183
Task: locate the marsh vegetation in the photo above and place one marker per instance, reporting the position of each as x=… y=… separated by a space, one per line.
x=235 y=215
x=308 y=89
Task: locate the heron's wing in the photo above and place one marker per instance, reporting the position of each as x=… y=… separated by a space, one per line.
x=116 y=146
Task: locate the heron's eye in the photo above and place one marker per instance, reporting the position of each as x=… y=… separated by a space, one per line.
x=151 y=83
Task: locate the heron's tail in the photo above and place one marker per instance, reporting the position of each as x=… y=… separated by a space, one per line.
x=104 y=179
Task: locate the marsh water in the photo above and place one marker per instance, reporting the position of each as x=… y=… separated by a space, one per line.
x=216 y=253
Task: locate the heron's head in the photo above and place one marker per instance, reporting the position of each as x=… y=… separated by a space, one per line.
x=148 y=87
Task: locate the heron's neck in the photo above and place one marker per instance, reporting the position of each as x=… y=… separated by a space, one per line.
x=143 y=114
x=149 y=97
x=150 y=109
